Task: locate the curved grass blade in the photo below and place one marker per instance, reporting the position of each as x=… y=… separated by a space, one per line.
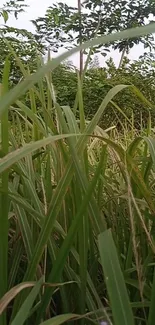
x=67 y=244
x=121 y=111
x=142 y=97
x=133 y=146
x=12 y=293
x=134 y=170
x=32 y=116
x=23 y=312
x=57 y=320
x=151 y=144
x=119 y=300
x=18 y=154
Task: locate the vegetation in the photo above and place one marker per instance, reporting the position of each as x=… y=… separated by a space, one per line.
x=98 y=81
x=68 y=26
x=76 y=187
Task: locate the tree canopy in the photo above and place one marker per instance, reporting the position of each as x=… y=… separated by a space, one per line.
x=61 y=25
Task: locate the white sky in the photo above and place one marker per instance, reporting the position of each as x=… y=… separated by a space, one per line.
x=37 y=8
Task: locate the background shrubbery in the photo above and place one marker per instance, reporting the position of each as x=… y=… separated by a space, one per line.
x=98 y=81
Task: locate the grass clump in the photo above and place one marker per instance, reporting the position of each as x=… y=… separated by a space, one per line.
x=76 y=210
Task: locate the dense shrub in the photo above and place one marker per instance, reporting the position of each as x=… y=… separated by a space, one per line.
x=97 y=83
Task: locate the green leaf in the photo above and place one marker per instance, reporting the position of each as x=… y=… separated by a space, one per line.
x=5 y=15
x=151 y=144
x=119 y=300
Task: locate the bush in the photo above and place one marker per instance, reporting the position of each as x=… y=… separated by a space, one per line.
x=97 y=83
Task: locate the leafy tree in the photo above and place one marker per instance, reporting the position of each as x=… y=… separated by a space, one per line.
x=24 y=43
x=24 y=46
x=62 y=25
x=118 y=15
x=65 y=26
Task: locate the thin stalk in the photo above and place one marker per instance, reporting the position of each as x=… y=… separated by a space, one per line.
x=80 y=36
x=122 y=57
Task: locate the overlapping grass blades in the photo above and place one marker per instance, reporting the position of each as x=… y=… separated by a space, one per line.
x=58 y=200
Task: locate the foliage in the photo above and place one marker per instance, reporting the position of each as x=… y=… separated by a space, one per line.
x=12 y=7
x=24 y=45
x=135 y=74
x=62 y=25
x=60 y=199
x=119 y=15
x=98 y=81
x=64 y=80
x=64 y=183
x=53 y=28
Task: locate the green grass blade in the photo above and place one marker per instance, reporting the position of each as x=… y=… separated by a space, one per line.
x=142 y=97
x=136 y=174
x=121 y=111
x=18 y=154
x=23 y=312
x=60 y=191
x=66 y=246
x=26 y=232
x=119 y=300
x=81 y=108
x=57 y=320
x=72 y=123
x=110 y=95
x=14 y=262
x=151 y=145
x=151 y=316
x=32 y=116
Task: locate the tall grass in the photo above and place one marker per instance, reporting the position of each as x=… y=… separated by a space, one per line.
x=64 y=183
